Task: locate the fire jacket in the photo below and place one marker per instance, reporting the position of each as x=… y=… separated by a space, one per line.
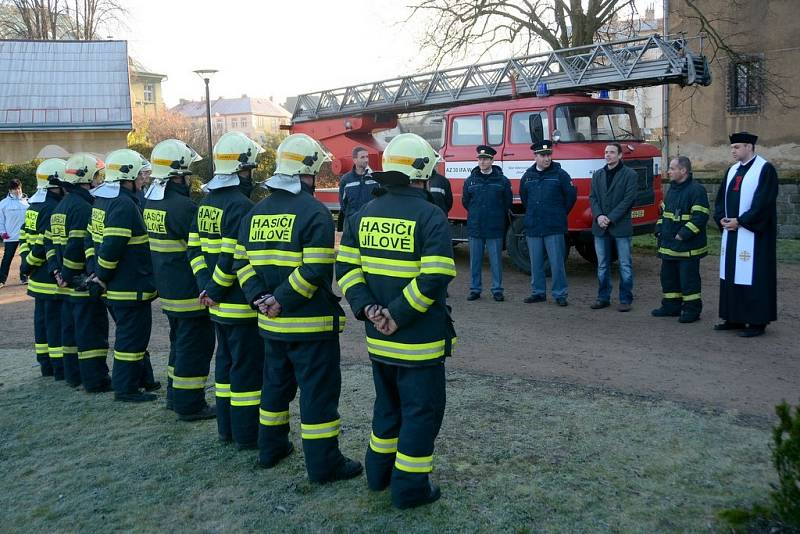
x=168 y=223
x=285 y=249
x=68 y=232
x=396 y=252
x=41 y=283
x=684 y=213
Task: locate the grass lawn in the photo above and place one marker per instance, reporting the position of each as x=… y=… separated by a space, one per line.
x=513 y=455
x=788 y=249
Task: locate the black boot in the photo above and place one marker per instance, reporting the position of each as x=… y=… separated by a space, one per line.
x=207 y=412
x=134 y=397
x=432 y=496
x=272 y=462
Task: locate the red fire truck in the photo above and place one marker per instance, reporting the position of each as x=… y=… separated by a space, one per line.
x=490 y=104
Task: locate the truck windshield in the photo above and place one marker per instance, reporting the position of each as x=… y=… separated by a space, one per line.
x=596 y=122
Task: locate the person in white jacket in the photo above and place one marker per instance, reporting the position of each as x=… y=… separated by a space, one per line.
x=12 y=215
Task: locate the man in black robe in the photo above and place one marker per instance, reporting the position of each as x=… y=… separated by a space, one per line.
x=746 y=214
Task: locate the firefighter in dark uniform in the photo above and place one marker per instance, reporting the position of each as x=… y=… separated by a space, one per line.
x=212 y=243
x=356 y=187
x=394 y=264
x=681 y=234
x=441 y=192
x=168 y=215
x=285 y=260
x=84 y=316
x=41 y=285
x=124 y=270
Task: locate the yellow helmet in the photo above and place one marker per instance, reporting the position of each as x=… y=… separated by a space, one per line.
x=50 y=172
x=124 y=164
x=235 y=152
x=411 y=155
x=300 y=154
x=82 y=168
x=172 y=158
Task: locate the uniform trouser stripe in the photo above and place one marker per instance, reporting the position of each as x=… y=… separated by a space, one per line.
x=132 y=368
x=90 y=318
x=222 y=390
x=245 y=398
x=267 y=418
x=95 y=353
x=40 y=335
x=413 y=464
x=320 y=430
x=383 y=445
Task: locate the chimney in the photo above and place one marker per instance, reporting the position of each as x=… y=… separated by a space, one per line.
x=271 y=99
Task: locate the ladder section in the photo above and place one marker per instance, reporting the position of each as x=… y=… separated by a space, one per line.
x=637 y=62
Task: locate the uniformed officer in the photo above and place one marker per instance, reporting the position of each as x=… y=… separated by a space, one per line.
x=168 y=215
x=123 y=269
x=84 y=316
x=212 y=243
x=681 y=234
x=487 y=198
x=285 y=266
x=441 y=192
x=41 y=285
x=357 y=187
x=394 y=264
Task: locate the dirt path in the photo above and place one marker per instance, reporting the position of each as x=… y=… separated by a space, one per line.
x=626 y=352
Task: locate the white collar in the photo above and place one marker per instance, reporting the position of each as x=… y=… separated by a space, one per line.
x=748 y=161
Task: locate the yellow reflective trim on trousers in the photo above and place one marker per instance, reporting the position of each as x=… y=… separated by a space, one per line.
x=319 y=255
x=167 y=245
x=70 y=350
x=691 y=297
x=284 y=258
x=188 y=382
x=94 y=353
x=413 y=464
x=194 y=239
x=682 y=254
x=55 y=352
x=228 y=245
x=128 y=356
x=170 y=371
x=105 y=264
x=112 y=231
x=669 y=296
x=89 y=252
x=437 y=265
x=298 y=325
x=245 y=273
x=415 y=298
x=351 y=278
x=41 y=348
x=245 y=398
x=198 y=264
x=320 y=430
x=387 y=267
x=702 y=209
x=301 y=285
x=211 y=246
x=233 y=311
x=222 y=390
x=267 y=418
x=406 y=351
x=382 y=445
x=349 y=255
x=74 y=265
x=181 y=305
x=77 y=233
x=43 y=288
x=693 y=227
x=222 y=278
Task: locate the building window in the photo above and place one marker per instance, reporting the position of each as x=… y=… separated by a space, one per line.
x=234 y=123
x=149 y=92
x=744 y=85
x=244 y=122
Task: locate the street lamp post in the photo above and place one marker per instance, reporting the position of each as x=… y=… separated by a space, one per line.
x=206 y=75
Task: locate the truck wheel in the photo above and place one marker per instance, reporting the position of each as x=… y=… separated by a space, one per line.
x=517 y=248
x=586 y=250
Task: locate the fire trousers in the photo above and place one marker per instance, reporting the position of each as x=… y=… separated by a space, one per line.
x=55 y=349
x=191 y=349
x=314 y=367
x=72 y=373
x=408 y=412
x=40 y=336
x=90 y=319
x=680 y=282
x=132 y=368
x=237 y=372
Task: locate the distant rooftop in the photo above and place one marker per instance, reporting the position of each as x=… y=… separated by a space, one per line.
x=137 y=68
x=64 y=85
x=246 y=105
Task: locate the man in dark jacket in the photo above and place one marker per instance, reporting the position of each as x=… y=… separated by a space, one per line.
x=487 y=198
x=355 y=187
x=441 y=192
x=612 y=197
x=547 y=194
x=681 y=234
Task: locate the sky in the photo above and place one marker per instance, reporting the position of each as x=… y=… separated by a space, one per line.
x=274 y=48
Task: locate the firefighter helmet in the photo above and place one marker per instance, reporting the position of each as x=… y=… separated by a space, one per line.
x=124 y=164
x=411 y=155
x=172 y=158
x=300 y=154
x=81 y=168
x=235 y=152
x=50 y=172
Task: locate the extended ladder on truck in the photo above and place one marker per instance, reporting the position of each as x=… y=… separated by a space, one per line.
x=637 y=62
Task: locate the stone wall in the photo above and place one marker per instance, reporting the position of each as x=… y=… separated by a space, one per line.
x=788 y=204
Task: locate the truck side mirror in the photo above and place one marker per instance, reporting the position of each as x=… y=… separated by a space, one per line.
x=536 y=127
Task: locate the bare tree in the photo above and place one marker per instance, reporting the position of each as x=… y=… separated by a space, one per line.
x=458 y=27
x=60 y=19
